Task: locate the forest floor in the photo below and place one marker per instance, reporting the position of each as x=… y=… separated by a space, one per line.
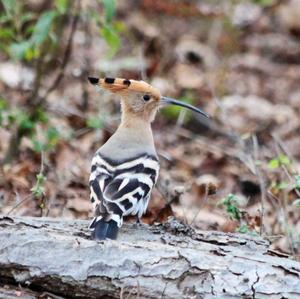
x=239 y=63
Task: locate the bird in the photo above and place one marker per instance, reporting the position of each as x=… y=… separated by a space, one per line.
x=125 y=169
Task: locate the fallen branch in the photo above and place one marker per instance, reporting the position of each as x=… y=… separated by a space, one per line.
x=163 y=261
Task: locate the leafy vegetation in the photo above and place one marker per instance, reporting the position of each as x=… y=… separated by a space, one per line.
x=36 y=38
x=281 y=160
x=230 y=202
x=38 y=189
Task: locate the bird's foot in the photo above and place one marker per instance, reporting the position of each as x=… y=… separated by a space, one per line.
x=139 y=223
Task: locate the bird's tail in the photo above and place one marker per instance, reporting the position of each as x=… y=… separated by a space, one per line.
x=104 y=229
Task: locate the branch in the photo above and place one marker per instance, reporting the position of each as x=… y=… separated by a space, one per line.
x=67 y=52
x=170 y=261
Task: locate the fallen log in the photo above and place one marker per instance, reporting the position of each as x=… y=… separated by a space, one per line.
x=170 y=260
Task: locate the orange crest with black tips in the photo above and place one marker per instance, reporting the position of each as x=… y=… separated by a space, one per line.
x=124 y=86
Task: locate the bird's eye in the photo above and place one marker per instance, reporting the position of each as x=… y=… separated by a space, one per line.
x=146 y=97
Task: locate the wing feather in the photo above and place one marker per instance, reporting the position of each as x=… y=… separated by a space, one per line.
x=122 y=189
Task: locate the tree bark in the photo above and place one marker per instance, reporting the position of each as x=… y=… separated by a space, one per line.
x=171 y=260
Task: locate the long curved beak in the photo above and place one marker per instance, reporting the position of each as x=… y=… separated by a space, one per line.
x=169 y=101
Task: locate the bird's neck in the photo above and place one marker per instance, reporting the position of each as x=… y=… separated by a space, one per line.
x=132 y=138
x=135 y=122
x=136 y=132
x=136 y=129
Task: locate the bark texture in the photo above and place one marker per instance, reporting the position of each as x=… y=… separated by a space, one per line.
x=57 y=258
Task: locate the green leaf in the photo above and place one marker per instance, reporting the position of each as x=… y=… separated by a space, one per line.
x=37 y=146
x=230 y=202
x=273 y=164
x=95 y=123
x=229 y=199
x=32 y=53
x=40 y=178
x=282 y=185
x=9 y=6
x=11 y=118
x=172 y=111
x=279 y=161
x=3 y=104
x=284 y=160
x=297 y=184
x=29 y=29
x=243 y=229
x=6 y=33
x=296 y=203
x=109 y=9
x=264 y=2
x=4 y=18
x=18 y=50
x=42 y=27
x=26 y=16
x=40 y=115
x=233 y=212
x=28 y=49
x=119 y=26
x=61 y=6
x=52 y=138
x=111 y=38
x=52 y=133
x=22 y=120
x=38 y=189
x=27 y=125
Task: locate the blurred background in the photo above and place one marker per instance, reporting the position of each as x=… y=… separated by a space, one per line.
x=237 y=60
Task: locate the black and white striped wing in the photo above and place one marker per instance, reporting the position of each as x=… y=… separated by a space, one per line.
x=123 y=189
x=99 y=178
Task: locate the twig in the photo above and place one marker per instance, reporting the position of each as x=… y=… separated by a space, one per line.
x=180 y=119
x=142 y=63
x=288 y=234
x=50 y=296
x=163 y=292
x=166 y=195
x=42 y=162
x=286 y=151
x=261 y=182
x=138 y=290
x=129 y=294
x=26 y=198
x=169 y=197
x=279 y=141
x=67 y=53
x=35 y=99
x=209 y=146
x=202 y=203
x=43 y=199
x=215 y=33
x=279 y=144
x=234 y=136
x=290 y=178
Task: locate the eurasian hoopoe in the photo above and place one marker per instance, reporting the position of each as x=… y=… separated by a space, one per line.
x=125 y=169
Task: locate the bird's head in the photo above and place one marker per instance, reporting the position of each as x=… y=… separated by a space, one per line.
x=138 y=97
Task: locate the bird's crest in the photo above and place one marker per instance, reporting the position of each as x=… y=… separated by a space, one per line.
x=125 y=86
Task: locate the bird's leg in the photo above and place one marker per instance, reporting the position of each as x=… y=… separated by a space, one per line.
x=138 y=221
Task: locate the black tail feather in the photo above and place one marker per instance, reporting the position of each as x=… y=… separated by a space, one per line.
x=105 y=230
